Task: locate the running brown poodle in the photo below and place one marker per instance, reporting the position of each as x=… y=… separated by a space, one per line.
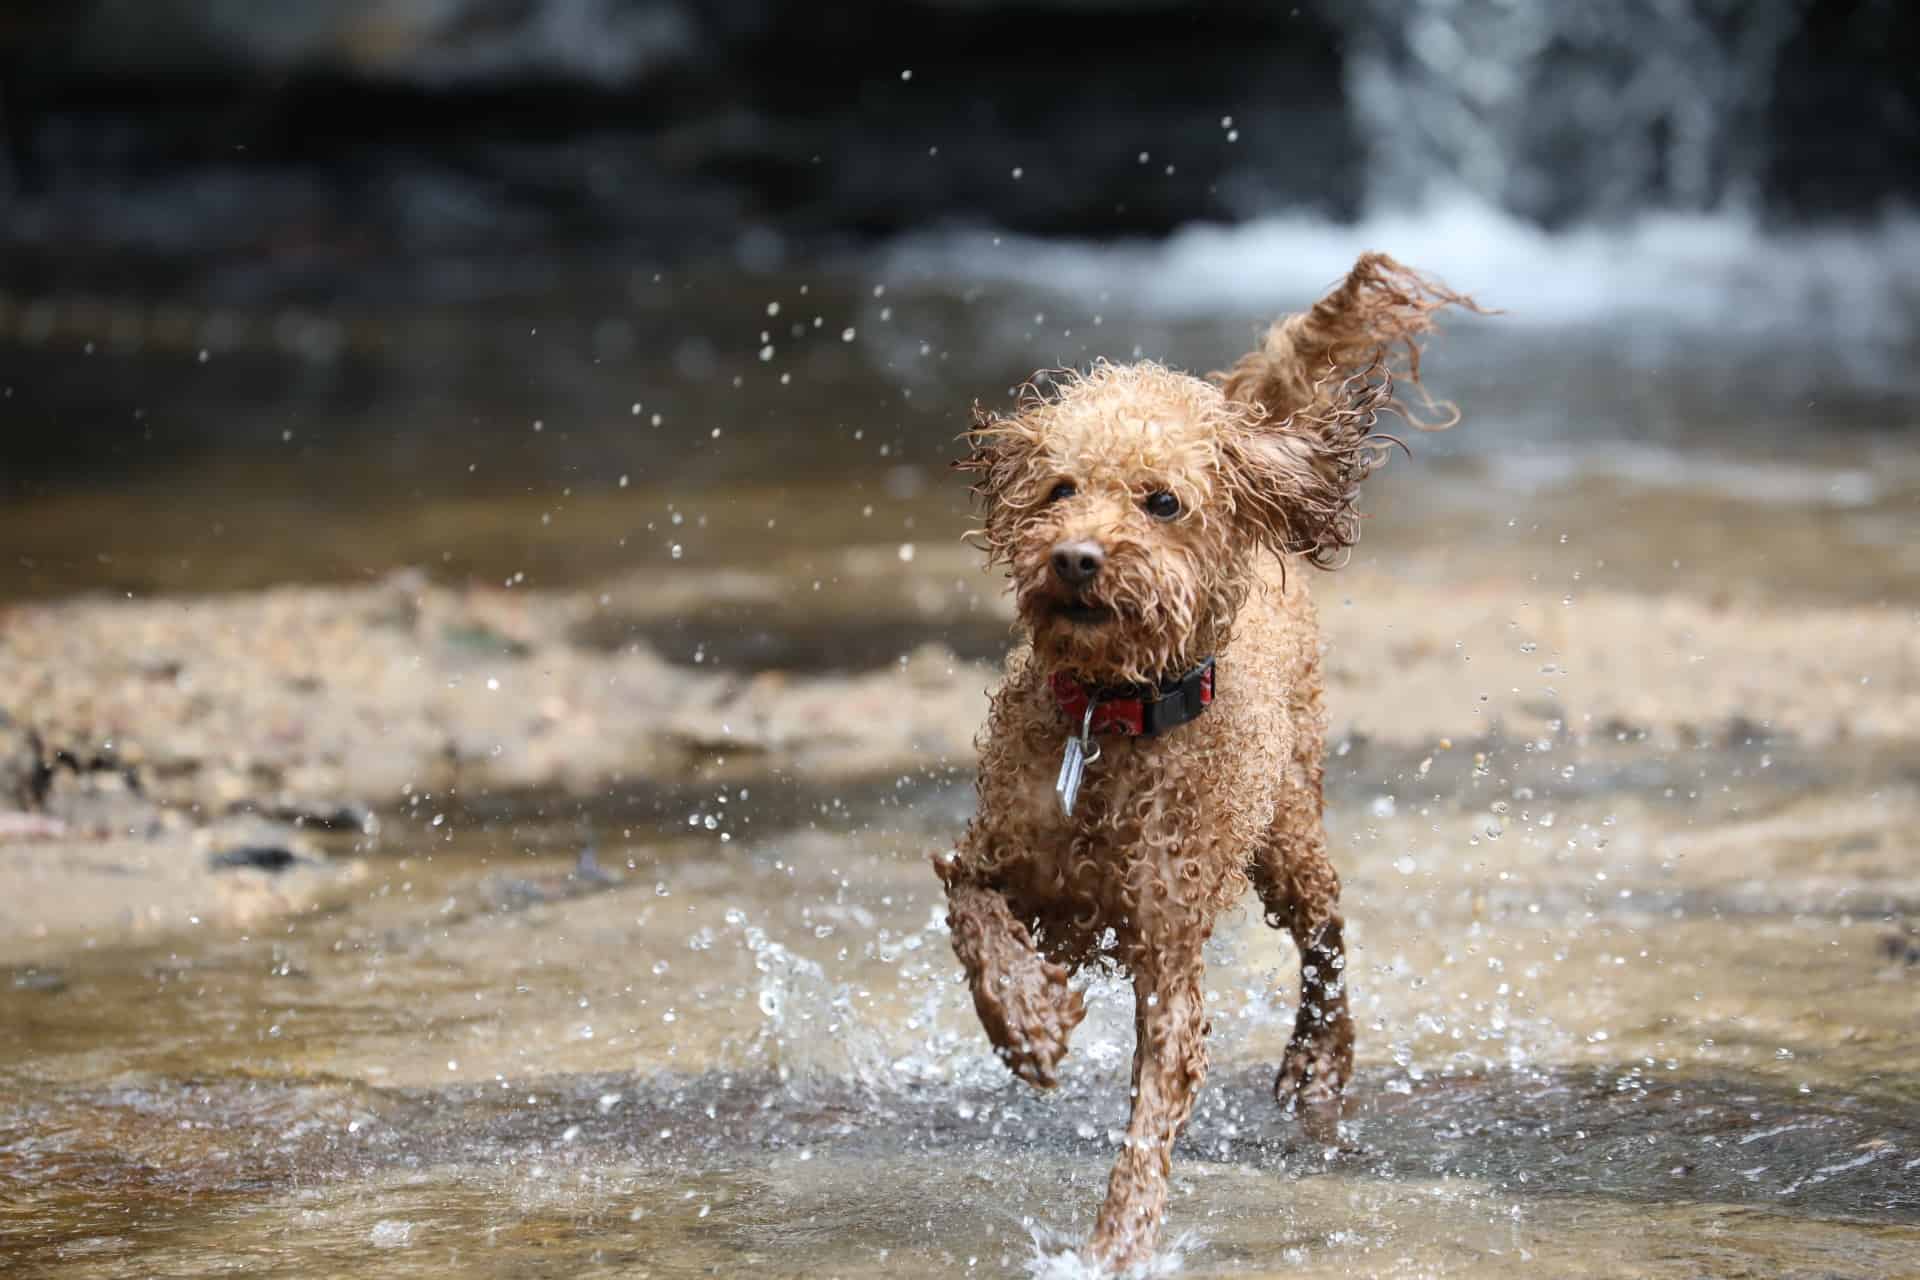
x=1156 y=746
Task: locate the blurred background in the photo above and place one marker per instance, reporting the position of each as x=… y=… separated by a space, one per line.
x=486 y=648
x=339 y=269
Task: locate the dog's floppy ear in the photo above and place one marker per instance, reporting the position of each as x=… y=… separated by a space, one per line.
x=987 y=453
x=1005 y=459
x=1311 y=396
x=1296 y=482
x=1000 y=452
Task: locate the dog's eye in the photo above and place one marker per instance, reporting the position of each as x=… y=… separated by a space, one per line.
x=1162 y=505
x=1064 y=489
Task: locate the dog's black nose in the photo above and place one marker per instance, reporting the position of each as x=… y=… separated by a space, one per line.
x=1078 y=563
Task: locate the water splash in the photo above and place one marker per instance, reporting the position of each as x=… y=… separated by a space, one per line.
x=810 y=1029
x=1056 y=1256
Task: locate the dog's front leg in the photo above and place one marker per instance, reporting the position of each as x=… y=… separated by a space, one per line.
x=1024 y=1002
x=1169 y=1064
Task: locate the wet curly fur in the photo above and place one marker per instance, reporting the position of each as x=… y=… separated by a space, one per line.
x=1266 y=461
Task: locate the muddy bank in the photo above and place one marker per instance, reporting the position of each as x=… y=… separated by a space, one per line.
x=133 y=728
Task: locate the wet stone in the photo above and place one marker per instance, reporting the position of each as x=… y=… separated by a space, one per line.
x=268 y=858
x=33 y=978
x=1902 y=946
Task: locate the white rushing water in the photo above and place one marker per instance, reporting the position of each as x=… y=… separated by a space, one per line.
x=1837 y=288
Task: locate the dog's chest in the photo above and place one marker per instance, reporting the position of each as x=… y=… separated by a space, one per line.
x=1210 y=783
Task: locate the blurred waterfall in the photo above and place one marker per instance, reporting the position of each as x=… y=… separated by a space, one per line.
x=1558 y=112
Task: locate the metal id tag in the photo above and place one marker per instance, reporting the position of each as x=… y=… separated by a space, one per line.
x=1081 y=752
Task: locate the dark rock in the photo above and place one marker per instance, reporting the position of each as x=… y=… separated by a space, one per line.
x=23 y=772
x=33 y=978
x=1902 y=947
x=1843 y=125
x=321 y=815
x=723 y=125
x=751 y=637
x=93 y=793
x=269 y=858
x=399 y=130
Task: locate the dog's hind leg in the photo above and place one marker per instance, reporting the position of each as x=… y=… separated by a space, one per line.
x=1301 y=893
x=1303 y=897
x=1024 y=1002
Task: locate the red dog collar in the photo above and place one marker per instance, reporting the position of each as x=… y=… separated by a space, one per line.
x=1133 y=710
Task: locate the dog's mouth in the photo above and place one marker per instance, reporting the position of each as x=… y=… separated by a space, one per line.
x=1082 y=614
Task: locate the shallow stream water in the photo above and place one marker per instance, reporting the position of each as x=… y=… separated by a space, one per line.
x=1642 y=1029
x=1624 y=1009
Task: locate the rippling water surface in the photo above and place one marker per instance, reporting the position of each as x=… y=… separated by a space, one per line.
x=1634 y=1032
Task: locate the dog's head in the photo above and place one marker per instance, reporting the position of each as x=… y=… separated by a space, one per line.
x=1131 y=504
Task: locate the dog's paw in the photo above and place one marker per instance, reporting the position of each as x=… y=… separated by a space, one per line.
x=1312 y=1077
x=1125 y=1247
x=1317 y=1066
x=1030 y=1016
